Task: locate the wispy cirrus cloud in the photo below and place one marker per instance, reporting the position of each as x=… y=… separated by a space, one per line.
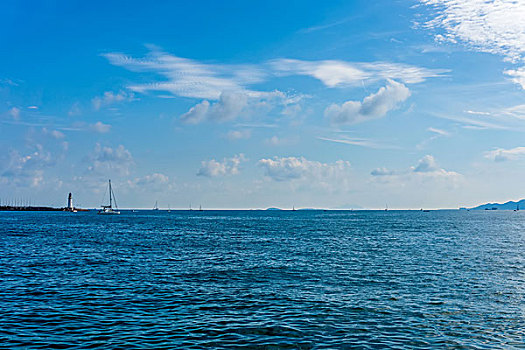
x=490 y=26
x=361 y=142
x=227 y=91
x=335 y=73
x=192 y=78
x=495 y=26
x=189 y=78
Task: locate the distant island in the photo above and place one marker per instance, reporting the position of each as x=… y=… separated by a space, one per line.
x=510 y=205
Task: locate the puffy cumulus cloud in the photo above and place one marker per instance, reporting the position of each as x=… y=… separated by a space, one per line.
x=109 y=98
x=107 y=160
x=239 y=134
x=100 y=127
x=382 y=172
x=153 y=182
x=281 y=141
x=228 y=166
x=27 y=170
x=228 y=107
x=374 y=106
x=425 y=167
x=14 y=112
x=333 y=73
x=53 y=133
x=232 y=105
x=426 y=164
x=500 y=154
x=293 y=168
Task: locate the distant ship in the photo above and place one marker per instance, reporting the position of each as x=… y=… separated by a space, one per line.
x=108 y=209
x=156 y=207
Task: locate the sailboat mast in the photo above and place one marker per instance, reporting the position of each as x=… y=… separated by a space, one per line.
x=110 y=197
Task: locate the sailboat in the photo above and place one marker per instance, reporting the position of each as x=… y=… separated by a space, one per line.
x=169 y=208
x=156 y=207
x=108 y=209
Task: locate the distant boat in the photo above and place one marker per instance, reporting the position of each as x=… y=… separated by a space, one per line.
x=386 y=207
x=169 y=209
x=200 y=207
x=517 y=207
x=108 y=209
x=156 y=207
x=293 y=208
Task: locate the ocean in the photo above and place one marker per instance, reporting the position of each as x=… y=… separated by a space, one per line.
x=263 y=280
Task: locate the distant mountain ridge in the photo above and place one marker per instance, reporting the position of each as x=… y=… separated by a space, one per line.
x=510 y=205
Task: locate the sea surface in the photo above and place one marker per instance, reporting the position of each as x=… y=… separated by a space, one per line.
x=263 y=280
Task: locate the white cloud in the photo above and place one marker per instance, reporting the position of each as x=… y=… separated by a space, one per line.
x=239 y=134
x=155 y=182
x=374 y=106
x=189 y=78
x=517 y=76
x=495 y=26
x=439 y=132
x=228 y=107
x=53 y=133
x=27 y=170
x=425 y=167
x=74 y=110
x=501 y=154
x=100 y=127
x=426 y=164
x=197 y=113
x=382 y=172
x=232 y=105
x=334 y=73
x=358 y=142
x=281 y=141
x=228 y=166
x=107 y=160
x=14 y=112
x=292 y=168
x=109 y=98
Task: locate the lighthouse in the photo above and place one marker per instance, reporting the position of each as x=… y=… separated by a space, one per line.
x=70 y=202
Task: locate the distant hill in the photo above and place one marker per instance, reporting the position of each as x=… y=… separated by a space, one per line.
x=505 y=206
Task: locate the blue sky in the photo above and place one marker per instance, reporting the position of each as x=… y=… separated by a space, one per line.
x=237 y=104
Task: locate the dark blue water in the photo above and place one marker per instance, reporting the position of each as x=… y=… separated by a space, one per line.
x=260 y=279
